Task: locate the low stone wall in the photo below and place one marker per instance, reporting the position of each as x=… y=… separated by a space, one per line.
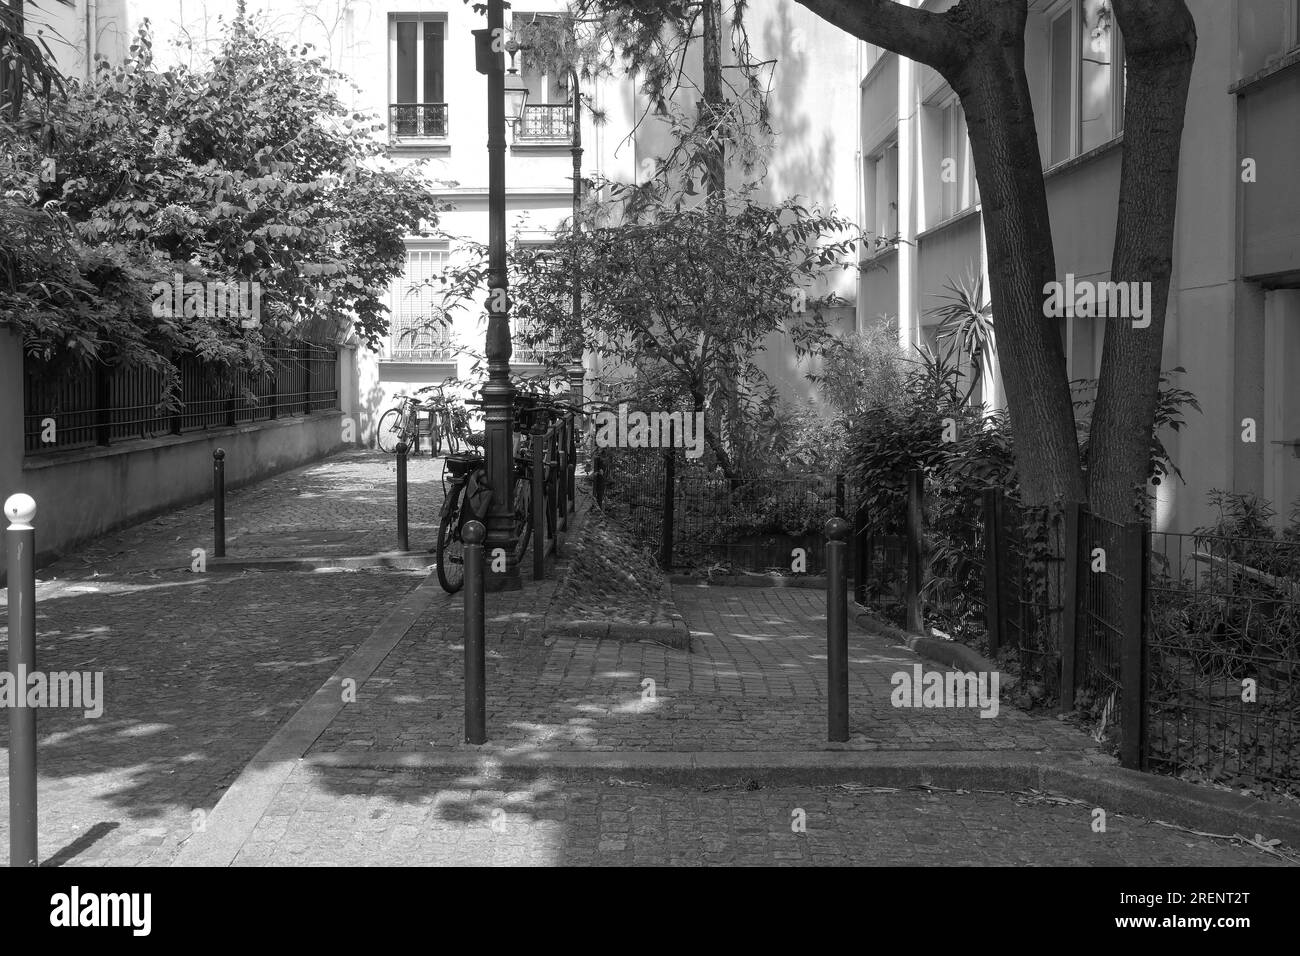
x=82 y=494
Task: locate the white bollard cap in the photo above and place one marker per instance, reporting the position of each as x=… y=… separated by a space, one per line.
x=20 y=509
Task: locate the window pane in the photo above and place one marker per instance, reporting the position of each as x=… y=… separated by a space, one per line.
x=1062 y=61
x=415 y=332
x=1096 y=109
x=405 y=65
x=433 y=62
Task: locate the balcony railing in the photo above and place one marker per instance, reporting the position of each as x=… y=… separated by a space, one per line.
x=549 y=121
x=417 y=120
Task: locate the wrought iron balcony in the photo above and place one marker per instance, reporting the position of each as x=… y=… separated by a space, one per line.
x=417 y=120
x=547 y=121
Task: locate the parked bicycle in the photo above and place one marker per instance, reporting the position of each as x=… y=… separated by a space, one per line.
x=400 y=424
x=467 y=494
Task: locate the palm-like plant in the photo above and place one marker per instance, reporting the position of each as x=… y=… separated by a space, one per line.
x=966 y=321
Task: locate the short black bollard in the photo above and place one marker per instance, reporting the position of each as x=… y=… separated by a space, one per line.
x=20 y=541
x=475 y=679
x=837 y=630
x=403 y=540
x=219 y=503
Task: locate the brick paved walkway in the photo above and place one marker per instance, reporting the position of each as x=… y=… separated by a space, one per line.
x=199 y=670
x=755 y=682
x=357 y=817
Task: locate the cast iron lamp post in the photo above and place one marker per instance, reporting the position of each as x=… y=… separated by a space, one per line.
x=498 y=393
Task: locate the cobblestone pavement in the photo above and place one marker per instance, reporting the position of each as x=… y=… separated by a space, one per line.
x=198 y=669
x=756 y=681
x=344 y=817
x=345 y=505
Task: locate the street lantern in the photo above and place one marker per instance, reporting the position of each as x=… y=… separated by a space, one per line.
x=516 y=96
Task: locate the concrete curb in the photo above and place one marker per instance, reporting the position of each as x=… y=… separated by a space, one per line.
x=1095 y=780
x=757 y=581
x=948 y=653
x=237 y=813
x=401 y=560
x=674 y=634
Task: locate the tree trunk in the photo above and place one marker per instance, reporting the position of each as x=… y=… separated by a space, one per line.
x=1159 y=45
x=994 y=93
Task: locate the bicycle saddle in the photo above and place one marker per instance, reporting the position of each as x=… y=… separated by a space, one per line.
x=463 y=463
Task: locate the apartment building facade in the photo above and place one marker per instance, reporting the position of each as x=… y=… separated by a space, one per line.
x=1234 y=312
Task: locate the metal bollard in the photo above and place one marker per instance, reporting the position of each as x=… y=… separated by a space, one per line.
x=539 y=502
x=403 y=539
x=219 y=503
x=837 y=630
x=20 y=541
x=475 y=680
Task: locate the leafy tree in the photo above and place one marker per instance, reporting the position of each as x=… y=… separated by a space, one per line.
x=978 y=47
x=683 y=296
x=247 y=168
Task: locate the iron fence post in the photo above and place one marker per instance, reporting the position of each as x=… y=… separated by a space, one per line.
x=861 y=553
x=20 y=541
x=839 y=496
x=219 y=503
x=553 y=487
x=837 y=631
x=562 y=473
x=473 y=535
x=915 y=548
x=539 y=500
x=992 y=572
x=403 y=539
x=1134 y=552
x=1075 y=516
x=666 y=527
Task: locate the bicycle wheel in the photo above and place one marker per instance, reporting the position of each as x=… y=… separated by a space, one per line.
x=451 y=549
x=391 y=430
x=435 y=435
x=449 y=430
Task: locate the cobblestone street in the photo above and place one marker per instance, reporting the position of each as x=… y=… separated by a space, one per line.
x=356 y=818
x=202 y=670
x=199 y=669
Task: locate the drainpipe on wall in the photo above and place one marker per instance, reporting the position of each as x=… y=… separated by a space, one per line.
x=92 y=37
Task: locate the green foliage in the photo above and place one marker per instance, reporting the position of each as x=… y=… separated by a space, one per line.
x=966 y=324
x=1226 y=605
x=248 y=168
x=1171 y=400
x=861 y=371
x=682 y=297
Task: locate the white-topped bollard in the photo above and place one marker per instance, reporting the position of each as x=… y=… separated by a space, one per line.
x=20 y=544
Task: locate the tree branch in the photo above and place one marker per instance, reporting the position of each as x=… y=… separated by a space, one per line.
x=929 y=38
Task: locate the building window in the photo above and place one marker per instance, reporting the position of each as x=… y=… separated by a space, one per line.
x=881 y=191
x=417 y=101
x=958 y=191
x=549 y=112
x=416 y=332
x=1086 y=77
